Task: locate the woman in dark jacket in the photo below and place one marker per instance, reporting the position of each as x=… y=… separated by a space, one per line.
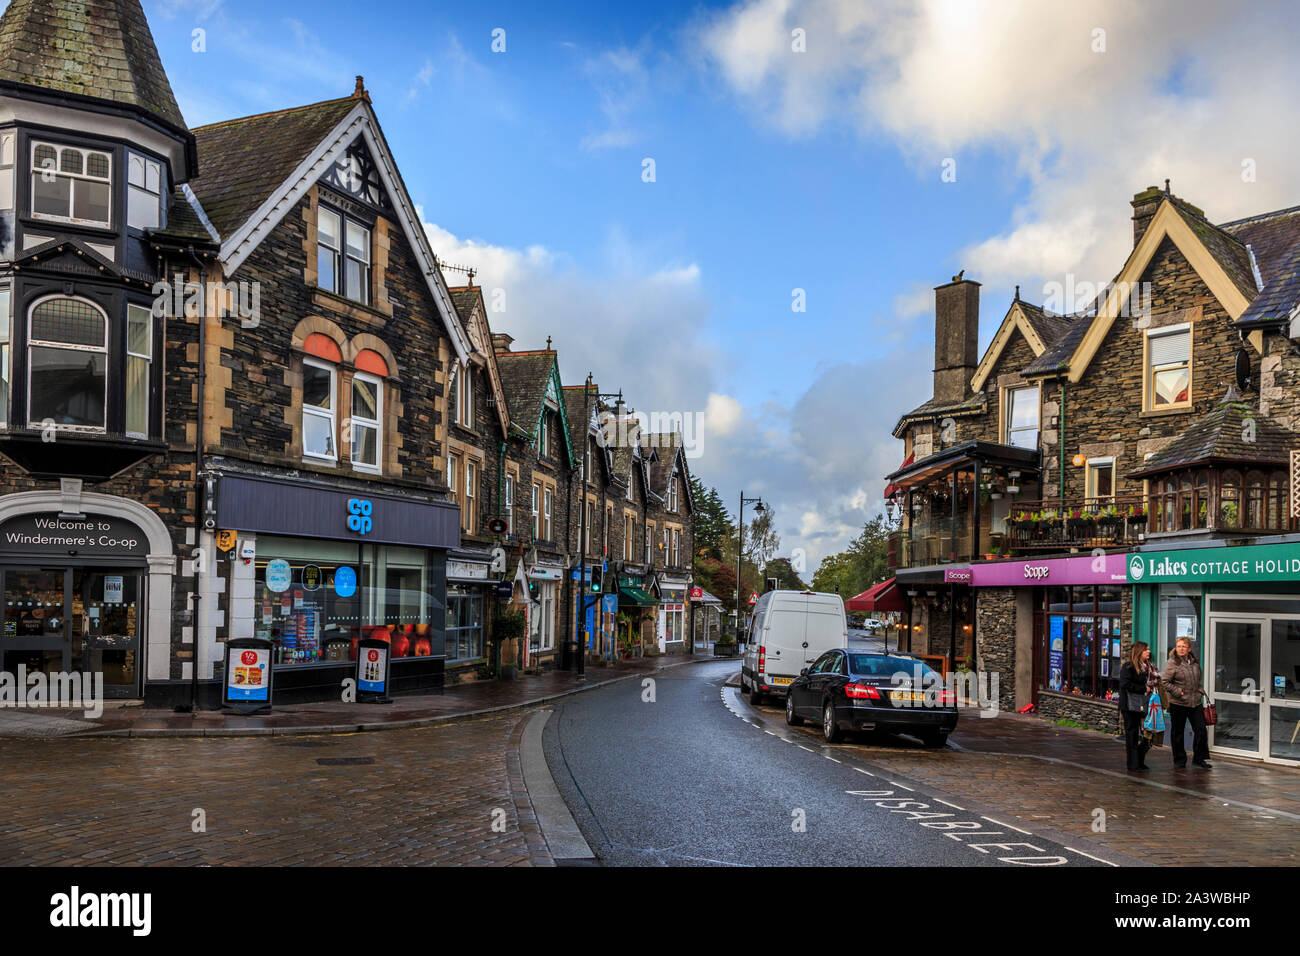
x=1137 y=679
x=1183 y=678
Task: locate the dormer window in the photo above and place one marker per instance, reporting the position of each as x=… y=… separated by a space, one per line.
x=544 y=439
x=342 y=255
x=68 y=365
x=71 y=184
x=672 y=494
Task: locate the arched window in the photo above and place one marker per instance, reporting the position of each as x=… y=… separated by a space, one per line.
x=1230 y=500
x=67 y=349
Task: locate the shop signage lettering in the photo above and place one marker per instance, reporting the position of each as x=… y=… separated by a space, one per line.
x=467 y=569
x=89 y=535
x=359 y=520
x=1083 y=570
x=957 y=576
x=1037 y=571
x=1253 y=563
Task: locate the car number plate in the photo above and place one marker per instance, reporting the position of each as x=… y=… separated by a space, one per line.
x=782 y=680
x=907 y=696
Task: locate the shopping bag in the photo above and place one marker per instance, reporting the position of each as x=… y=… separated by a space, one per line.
x=1155 y=718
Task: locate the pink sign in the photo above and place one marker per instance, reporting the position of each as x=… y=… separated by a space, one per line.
x=956 y=576
x=1083 y=569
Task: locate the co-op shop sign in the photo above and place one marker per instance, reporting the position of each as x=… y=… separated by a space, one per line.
x=1266 y=563
x=359 y=515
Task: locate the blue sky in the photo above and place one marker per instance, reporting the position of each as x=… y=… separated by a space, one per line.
x=775 y=170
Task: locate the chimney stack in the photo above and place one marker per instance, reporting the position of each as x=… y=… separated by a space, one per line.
x=956 y=338
x=501 y=341
x=1145 y=205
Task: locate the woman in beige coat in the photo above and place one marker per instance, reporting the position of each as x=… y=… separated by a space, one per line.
x=1182 y=679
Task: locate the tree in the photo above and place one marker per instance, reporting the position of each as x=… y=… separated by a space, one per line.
x=712 y=524
x=761 y=540
x=864 y=563
x=786 y=578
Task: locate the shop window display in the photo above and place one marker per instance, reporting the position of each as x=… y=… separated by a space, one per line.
x=1083 y=638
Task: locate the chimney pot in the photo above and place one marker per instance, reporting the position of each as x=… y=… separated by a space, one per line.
x=501 y=341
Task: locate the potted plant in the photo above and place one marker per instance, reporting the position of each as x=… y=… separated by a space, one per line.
x=1137 y=515
x=1228 y=514
x=1049 y=520
x=1108 y=520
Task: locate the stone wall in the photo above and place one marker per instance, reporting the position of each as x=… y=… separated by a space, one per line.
x=995 y=630
x=1098 y=714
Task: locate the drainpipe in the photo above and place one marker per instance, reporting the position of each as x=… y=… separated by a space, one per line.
x=199 y=490
x=1061 y=443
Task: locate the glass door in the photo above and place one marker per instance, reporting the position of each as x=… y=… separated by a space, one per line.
x=35 y=632
x=104 y=619
x=1236 y=645
x=1282 y=690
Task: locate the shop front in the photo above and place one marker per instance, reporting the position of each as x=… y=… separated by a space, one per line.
x=1054 y=631
x=636 y=612
x=471 y=599
x=544 y=580
x=940 y=614
x=1239 y=606
x=670 y=629
x=315 y=569
x=86 y=585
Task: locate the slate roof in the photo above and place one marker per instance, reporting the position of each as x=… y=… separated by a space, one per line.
x=242 y=161
x=972 y=405
x=97 y=48
x=1057 y=354
x=1049 y=326
x=1229 y=251
x=665 y=445
x=1219 y=437
x=1274 y=238
x=524 y=376
x=183 y=224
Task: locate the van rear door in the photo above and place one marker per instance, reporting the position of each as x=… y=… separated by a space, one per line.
x=783 y=638
x=826 y=626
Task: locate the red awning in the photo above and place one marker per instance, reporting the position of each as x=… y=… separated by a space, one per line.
x=891 y=490
x=884 y=596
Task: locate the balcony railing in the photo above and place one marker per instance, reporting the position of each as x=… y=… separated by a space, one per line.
x=1056 y=524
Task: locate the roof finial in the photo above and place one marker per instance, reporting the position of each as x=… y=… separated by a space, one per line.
x=470 y=273
x=1017 y=293
x=548 y=343
x=360 y=92
x=1166 y=187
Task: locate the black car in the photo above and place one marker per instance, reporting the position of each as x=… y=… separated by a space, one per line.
x=857 y=690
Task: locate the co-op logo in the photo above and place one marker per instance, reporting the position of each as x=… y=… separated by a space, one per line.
x=359 y=515
x=1136 y=567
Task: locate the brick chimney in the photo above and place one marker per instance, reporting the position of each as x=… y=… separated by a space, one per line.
x=501 y=341
x=956 y=338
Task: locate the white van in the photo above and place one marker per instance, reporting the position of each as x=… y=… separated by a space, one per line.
x=789 y=630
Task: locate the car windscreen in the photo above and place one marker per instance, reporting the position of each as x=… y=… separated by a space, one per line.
x=879 y=665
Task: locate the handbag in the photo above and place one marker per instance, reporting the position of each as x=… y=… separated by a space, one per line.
x=1155 y=719
x=1134 y=703
x=1211 y=715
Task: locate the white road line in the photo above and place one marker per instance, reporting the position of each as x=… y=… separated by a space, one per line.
x=809 y=749
x=832 y=758
x=1008 y=826
x=947 y=804
x=867 y=772
x=769 y=733
x=1089 y=855
x=900 y=786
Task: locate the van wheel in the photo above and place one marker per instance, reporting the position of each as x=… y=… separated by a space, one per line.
x=791 y=718
x=830 y=729
x=934 y=738
x=755 y=695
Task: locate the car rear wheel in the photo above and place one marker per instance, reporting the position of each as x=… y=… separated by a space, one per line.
x=934 y=738
x=830 y=729
x=791 y=718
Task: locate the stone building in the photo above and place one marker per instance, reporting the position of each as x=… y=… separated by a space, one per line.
x=1155 y=414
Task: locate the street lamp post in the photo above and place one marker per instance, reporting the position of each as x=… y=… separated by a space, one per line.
x=584 y=601
x=740 y=548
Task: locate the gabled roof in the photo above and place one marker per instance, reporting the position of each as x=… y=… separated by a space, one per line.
x=473 y=316
x=669 y=456
x=1220 y=436
x=1038 y=327
x=526 y=378
x=975 y=404
x=1056 y=359
x=97 y=48
x=243 y=161
x=76 y=257
x=245 y=201
x=1220 y=260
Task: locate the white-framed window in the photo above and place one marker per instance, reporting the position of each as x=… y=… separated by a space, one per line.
x=586 y=464
x=453 y=475
x=677 y=541
x=318 y=411
x=509 y=503
x=537 y=511
x=544 y=438
x=550 y=500
x=649 y=536
x=144 y=191
x=668 y=539
x=8 y=153
x=71 y=184
x=627 y=536
x=465 y=397
x=591 y=517
x=1169 y=367
x=471 y=483
x=1100 y=482
x=6 y=302
x=67 y=362
x=630 y=495
x=367 y=422
x=1022 y=417
x=139 y=357
x=672 y=494
x=342 y=255
x=542 y=616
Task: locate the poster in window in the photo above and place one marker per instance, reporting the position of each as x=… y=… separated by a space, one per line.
x=1185 y=626
x=1056 y=653
x=311 y=578
x=112 y=589
x=1105 y=667
x=278 y=575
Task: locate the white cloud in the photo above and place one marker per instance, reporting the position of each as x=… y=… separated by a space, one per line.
x=722 y=414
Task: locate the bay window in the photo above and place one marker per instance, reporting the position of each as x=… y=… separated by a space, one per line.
x=144 y=190
x=67 y=358
x=71 y=184
x=367 y=422
x=318 y=411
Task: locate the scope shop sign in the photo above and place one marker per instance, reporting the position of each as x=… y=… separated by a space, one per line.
x=83 y=535
x=1278 y=562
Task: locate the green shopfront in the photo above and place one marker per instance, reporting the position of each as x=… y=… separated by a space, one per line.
x=1240 y=608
